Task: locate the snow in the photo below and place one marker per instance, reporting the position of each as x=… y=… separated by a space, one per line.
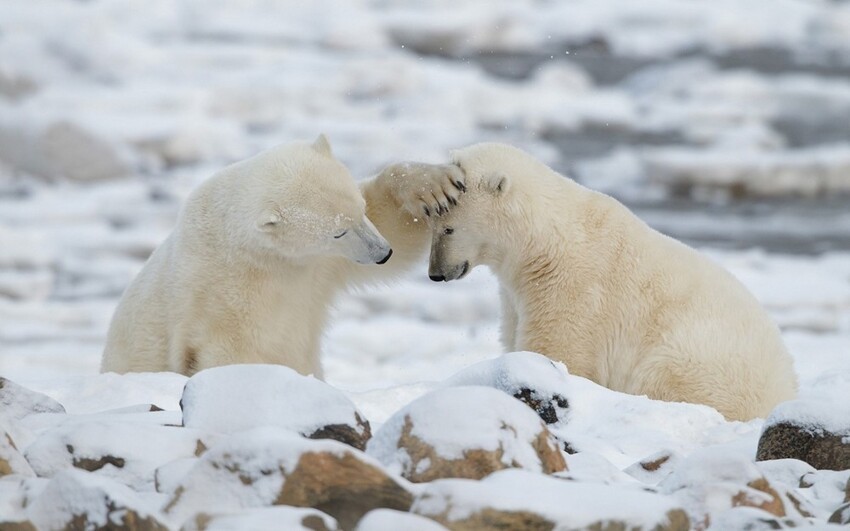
x=240 y=397
x=831 y=415
x=723 y=123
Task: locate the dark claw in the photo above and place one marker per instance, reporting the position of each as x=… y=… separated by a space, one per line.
x=453 y=201
x=444 y=207
x=427 y=211
x=459 y=185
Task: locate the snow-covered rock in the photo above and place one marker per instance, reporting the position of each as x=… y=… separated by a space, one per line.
x=464 y=432
x=270 y=466
x=826 y=490
x=75 y=499
x=655 y=467
x=715 y=479
x=263 y=518
x=11 y=460
x=814 y=431
x=530 y=377
x=124 y=451
x=385 y=519
x=236 y=398
x=16 y=402
x=517 y=499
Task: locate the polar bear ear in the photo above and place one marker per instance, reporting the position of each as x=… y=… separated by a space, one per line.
x=496 y=183
x=269 y=220
x=322 y=146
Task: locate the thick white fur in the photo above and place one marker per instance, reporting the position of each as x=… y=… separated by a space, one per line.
x=586 y=282
x=250 y=270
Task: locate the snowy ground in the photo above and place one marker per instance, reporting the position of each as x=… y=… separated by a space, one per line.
x=723 y=123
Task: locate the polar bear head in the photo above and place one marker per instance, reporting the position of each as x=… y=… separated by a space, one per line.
x=484 y=227
x=302 y=202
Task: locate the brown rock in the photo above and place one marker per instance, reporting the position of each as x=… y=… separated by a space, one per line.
x=841 y=515
x=246 y=471
x=19 y=525
x=773 y=505
x=431 y=438
x=475 y=463
x=819 y=448
x=342 y=486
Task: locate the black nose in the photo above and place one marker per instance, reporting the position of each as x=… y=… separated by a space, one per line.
x=384 y=261
x=437 y=278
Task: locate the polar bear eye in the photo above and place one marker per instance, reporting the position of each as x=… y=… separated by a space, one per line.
x=341 y=234
x=448 y=230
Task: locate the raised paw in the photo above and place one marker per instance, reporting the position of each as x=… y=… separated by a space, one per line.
x=427 y=189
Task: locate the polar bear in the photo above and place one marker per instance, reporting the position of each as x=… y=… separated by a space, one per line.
x=585 y=282
x=258 y=253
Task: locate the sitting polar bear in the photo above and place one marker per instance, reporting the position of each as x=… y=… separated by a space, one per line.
x=585 y=282
x=259 y=251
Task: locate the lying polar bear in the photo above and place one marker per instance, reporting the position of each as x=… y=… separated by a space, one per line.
x=585 y=282
x=258 y=253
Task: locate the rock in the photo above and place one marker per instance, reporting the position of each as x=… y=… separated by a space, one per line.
x=280 y=517
x=17 y=525
x=75 y=499
x=11 y=460
x=715 y=479
x=527 y=376
x=241 y=397
x=124 y=451
x=384 y=519
x=61 y=149
x=655 y=467
x=841 y=515
x=16 y=402
x=517 y=499
x=270 y=466
x=811 y=431
x=464 y=432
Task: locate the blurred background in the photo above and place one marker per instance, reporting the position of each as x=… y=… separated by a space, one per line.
x=723 y=123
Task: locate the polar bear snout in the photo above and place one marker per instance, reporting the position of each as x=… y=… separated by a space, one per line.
x=445 y=274
x=367 y=246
